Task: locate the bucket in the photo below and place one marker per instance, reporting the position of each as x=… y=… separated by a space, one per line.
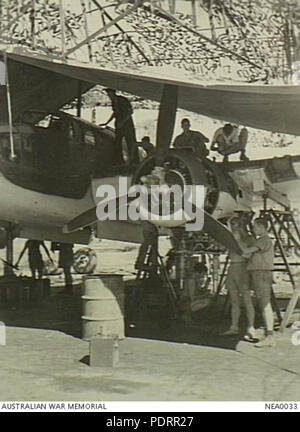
x=103 y=306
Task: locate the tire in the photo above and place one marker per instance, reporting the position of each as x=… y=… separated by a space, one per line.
x=85 y=261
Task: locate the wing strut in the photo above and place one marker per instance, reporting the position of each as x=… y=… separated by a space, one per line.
x=166 y=121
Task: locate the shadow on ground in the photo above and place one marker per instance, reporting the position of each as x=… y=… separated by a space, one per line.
x=147 y=320
x=148 y=315
x=54 y=312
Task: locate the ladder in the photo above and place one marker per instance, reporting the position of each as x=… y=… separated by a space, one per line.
x=282 y=222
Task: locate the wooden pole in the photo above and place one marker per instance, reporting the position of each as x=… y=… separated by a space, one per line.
x=288 y=49
x=1 y=15
x=84 y=11
x=106 y=14
x=172 y=6
x=194 y=12
x=18 y=14
x=7 y=11
x=32 y=19
x=105 y=28
x=211 y=20
x=62 y=28
x=291 y=307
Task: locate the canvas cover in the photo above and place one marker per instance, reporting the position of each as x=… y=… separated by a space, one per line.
x=42 y=83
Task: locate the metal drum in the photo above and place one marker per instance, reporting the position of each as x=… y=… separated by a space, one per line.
x=103 y=306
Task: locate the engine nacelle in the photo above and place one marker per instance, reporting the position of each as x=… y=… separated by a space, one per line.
x=184 y=168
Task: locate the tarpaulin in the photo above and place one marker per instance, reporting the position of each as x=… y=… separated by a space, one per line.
x=40 y=82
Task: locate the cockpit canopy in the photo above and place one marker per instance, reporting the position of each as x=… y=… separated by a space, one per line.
x=58 y=155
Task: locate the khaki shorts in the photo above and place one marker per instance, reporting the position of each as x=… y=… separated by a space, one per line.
x=261 y=283
x=238 y=278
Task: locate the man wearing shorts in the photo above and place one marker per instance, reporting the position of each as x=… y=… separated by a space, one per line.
x=35 y=259
x=237 y=282
x=260 y=268
x=228 y=140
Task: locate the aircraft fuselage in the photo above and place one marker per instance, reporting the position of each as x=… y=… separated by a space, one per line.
x=59 y=166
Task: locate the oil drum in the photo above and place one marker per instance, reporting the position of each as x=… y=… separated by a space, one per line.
x=103 y=306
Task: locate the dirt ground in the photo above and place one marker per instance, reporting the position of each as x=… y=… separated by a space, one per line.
x=40 y=364
x=161 y=359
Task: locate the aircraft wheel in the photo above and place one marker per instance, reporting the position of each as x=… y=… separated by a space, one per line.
x=85 y=261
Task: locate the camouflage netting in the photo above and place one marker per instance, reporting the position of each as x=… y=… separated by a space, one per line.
x=260 y=37
x=263 y=33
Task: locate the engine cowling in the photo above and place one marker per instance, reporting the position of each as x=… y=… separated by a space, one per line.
x=184 y=168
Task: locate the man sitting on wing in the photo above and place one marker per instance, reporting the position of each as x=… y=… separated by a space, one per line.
x=228 y=140
x=190 y=138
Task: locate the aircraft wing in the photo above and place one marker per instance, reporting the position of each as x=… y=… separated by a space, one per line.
x=277 y=178
x=132 y=231
x=39 y=81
